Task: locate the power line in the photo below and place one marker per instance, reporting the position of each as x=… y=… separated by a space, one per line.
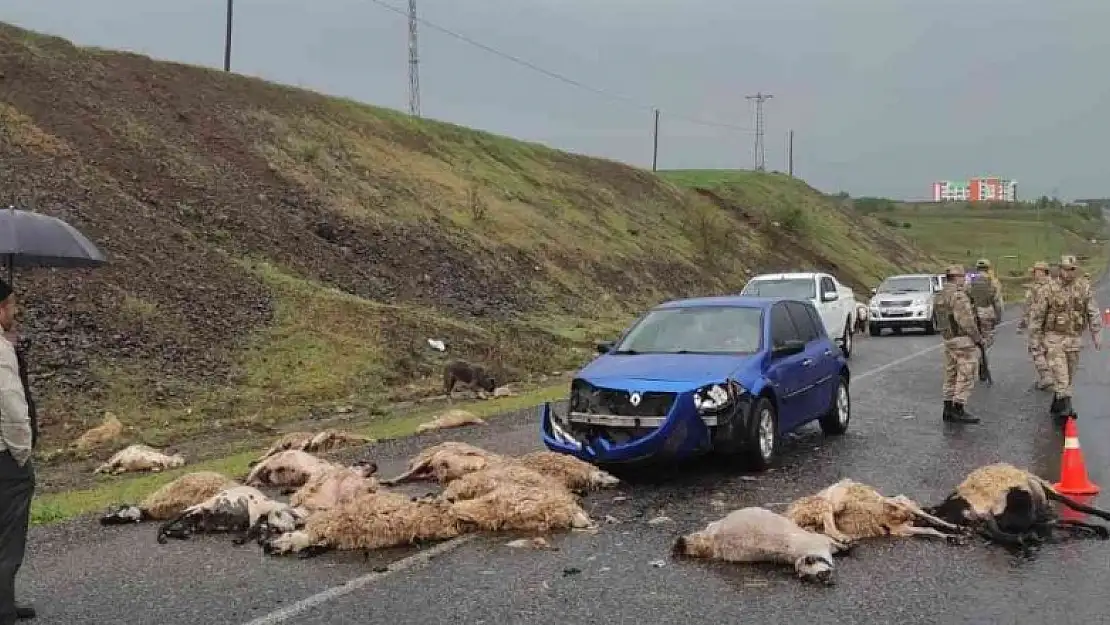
x=760 y=152
x=414 y=64
x=550 y=74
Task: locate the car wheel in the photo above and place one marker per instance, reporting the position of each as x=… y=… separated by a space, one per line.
x=846 y=340
x=874 y=329
x=764 y=441
x=931 y=326
x=835 y=421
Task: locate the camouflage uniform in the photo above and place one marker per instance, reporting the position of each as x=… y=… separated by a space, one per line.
x=1036 y=336
x=956 y=324
x=986 y=295
x=1062 y=310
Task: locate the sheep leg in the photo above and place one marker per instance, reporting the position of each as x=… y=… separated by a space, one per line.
x=994 y=533
x=180 y=528
x=902 y=500
x=407 y=475
x=1075 y=505
x=830 y=529
x=1079 y=527
x=907 y=531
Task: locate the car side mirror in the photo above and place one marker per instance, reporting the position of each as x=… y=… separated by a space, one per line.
x=604 y=347
x=830 y=296
x=788 y=348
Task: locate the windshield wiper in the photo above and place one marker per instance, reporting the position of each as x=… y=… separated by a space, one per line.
x=630 y=352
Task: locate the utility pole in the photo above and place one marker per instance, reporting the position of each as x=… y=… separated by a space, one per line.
x=227 y=38
x=760 y=98
x=790 y=153
x=414 y=69
x=655 y=143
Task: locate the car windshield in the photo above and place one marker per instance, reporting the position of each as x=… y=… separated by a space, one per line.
x=793 y=288
x=696 y=330
x=906 y=285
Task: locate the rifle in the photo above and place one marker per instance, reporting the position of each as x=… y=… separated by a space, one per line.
x=984 y=366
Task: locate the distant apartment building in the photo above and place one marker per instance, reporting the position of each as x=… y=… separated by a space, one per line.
x=985 y=189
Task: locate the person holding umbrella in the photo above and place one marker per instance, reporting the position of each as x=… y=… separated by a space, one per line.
x=17 y=474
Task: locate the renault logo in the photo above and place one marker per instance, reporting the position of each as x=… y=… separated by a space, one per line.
x=634 y=399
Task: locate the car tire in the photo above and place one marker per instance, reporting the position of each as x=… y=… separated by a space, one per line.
x=835 y=421
x=764 y=440
x=931 y=326
x=846 y=341
x=874 y=329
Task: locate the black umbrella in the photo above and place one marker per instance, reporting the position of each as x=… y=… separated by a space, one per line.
x=29 y=239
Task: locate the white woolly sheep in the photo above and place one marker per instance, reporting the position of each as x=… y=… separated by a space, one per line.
x=451 y=419
x=760 y=535
x=1011 y=506
x=171 y=499
x=290 y=469
x=335 y=486
x=136 y=458
x=517 y=507
x=848 y=511
x=574 y=474
x=445 y=462
x=370 y=521
x=479 y=483
x=237 y=509
x=313 y=442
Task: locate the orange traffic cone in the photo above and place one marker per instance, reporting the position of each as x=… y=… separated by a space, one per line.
x=1073 y=471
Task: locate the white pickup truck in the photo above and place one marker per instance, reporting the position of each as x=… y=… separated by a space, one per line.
x=835 y=302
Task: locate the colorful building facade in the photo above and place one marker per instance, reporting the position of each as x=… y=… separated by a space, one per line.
x=983 y=189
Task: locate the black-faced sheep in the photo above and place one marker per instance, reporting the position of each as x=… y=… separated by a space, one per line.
x=849 y=511
x=289 y=469
x=451 y=419
x=335 y=486
x=237 y=509
x=1011 y=506
x=760 y=535
x=136 y=458
x=445 y=462
x=371 y=521
x=172 y=499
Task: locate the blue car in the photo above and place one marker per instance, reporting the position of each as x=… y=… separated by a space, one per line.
x=730 y=375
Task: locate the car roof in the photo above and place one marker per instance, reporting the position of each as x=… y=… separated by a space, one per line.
x=735 y=301
x=787 y=276
x=913 y=275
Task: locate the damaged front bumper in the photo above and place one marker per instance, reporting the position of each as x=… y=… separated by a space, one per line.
x=681 y=433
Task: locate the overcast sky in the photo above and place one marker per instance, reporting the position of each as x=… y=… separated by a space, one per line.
x=885 y=96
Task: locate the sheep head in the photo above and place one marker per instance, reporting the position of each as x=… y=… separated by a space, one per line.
x=815 y=569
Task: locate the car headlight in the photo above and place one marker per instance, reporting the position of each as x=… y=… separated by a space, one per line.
x=920 y=302
x=716 y=397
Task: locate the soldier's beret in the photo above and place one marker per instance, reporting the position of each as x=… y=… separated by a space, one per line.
x=954 y=270
x=1040 y=265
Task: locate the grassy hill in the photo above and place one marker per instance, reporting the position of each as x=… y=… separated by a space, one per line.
x=1013 y=236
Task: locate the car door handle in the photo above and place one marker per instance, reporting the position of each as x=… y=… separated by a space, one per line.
x=807 y=362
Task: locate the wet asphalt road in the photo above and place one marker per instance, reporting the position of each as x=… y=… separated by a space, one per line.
x=82 y=573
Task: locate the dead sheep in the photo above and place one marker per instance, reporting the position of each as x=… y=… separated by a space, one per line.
x=313 y=442
x=1010 y=506
x=288 y=469
x=446 y=462
x=450 y=419
x=760 y=535
x=479 y=483
x=574 y=474
x=518 y=507
x=371 y=521
x=335 y=486
x=237 y=509
x=171 y=499
x=137 y=458
x=849 y=511
x=111 y=429
x=470 y=376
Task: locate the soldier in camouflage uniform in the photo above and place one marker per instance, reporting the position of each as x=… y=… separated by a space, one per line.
x=962 y=340
x=986 y=296
x=1062 y=310
x=1036 y=337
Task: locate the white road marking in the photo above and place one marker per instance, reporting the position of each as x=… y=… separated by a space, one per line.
x=422 y=558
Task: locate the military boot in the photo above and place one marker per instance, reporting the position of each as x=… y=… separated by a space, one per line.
x=1065 y=408
x=960 y=415
x=949 y=411
x=1054 y=410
